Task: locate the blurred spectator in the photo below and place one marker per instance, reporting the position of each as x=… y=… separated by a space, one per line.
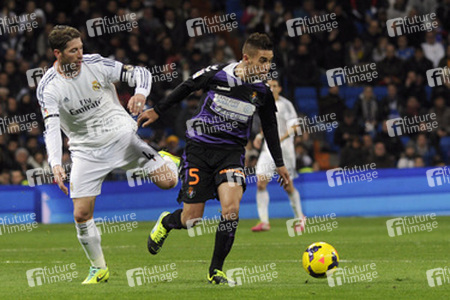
x=367 y=145
x=366 y=108
x=407 y=159
x=414 y=87
x=357 y=52
x=18 y=178
x=21 y=160
x=349 y=127
x=382 y=159
x=302 y=159
x=352 y=154
x=332 y=103
x=334 y=56
x=379 y=52
x=391 y=67
x=423 y=148
x=404 y=52
x=173 y=145
x=303 y=70
x=419 y=63
x=390 y=105
x=445 y=61
x=442 y=118
x=393 y=144
x=432 y=49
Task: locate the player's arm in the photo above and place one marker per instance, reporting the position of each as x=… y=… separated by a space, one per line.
x=136 y=76
x=198 y=81
x=292 y=122
x=270 y=129
x=52 y=136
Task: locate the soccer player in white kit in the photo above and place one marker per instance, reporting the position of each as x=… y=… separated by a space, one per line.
x=265 y=167
x=78 y=96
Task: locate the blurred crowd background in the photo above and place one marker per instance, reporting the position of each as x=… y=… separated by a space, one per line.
x=161 y=38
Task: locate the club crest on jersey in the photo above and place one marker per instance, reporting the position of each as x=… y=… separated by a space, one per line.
x=190 y=192
x=254 y=97
x=96 y=85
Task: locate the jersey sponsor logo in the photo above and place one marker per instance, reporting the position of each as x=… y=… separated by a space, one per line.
x=232 y=109
x=87 y=104
x=96 y=85
x=223 y=88
x=234 y=105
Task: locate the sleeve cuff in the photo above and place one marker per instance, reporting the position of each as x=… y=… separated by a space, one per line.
x=141 y=91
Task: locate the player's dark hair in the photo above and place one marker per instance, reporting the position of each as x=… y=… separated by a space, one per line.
x=257 y=41
x=61 y=35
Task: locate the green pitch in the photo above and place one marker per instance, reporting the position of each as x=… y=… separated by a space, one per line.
x=181 y=266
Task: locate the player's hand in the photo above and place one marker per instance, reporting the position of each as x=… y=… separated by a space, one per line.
x=136 y=104
x=60 y=176
x=284 y=178
x=149 y=115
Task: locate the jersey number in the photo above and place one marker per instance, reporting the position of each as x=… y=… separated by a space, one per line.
x=193 y=174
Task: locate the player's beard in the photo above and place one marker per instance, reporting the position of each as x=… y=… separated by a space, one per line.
x=69 y=69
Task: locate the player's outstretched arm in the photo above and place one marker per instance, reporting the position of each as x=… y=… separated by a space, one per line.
x=197 y=81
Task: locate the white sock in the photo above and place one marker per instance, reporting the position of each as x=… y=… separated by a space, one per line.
x=90 y=240
x=262 y=200
x=173 y=167
x=294 y=198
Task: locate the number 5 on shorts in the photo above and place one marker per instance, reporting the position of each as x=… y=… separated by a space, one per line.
x=193 y=175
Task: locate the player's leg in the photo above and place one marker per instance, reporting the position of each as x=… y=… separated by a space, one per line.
x=293 y=194
x=230 y=196
x=262 y=202
x=265 y=169
x=175 y=220
x=88 y=171
x=90 y=239
x=197 y=187
x=160 y=168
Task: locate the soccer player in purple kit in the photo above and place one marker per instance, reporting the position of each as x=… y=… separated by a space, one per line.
x=213 y=160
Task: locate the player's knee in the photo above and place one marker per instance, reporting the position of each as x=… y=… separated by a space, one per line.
x=261 y=185
x=169 y=182
x=82 y=216
x=231 y=212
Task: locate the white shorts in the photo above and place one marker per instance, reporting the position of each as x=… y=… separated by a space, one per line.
x=90 y=167
x=266 y=166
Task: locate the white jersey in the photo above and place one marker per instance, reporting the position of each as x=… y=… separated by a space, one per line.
x=86 y=107
x=285 y=113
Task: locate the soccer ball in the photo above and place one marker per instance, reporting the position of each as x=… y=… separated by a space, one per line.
x=318 y=258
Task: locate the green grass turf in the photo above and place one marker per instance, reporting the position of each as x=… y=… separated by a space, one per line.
x=401 y=263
